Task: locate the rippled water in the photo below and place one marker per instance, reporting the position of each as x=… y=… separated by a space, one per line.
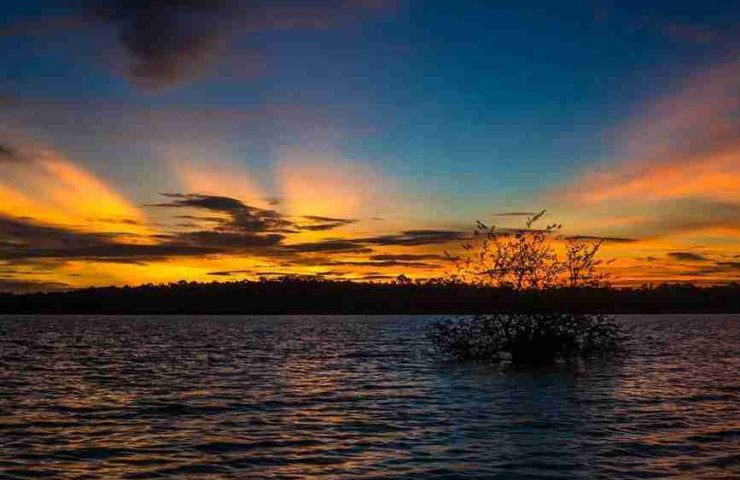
x=355 y=397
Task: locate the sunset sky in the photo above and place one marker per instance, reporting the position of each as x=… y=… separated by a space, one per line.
x=154 y=141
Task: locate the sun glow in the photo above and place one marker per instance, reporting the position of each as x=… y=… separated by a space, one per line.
x=48 y=188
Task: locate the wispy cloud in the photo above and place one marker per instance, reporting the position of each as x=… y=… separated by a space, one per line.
x=28 y=240
x=411 y=238
x=43 y=185
x=240 y=217
x=685 y=144
x=604 y=239
x=514 y=214
x=688 y=256
x=676 y=179
x=320 y=224
x=22 y=286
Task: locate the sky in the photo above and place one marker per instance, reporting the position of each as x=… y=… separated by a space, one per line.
x=165 y=140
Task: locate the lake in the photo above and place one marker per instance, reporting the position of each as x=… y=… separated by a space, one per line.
x=356 y=397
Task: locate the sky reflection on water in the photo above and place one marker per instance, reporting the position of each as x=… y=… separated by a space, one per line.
x=357 y=397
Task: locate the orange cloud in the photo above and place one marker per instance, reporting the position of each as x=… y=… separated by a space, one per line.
x=676 y=185
x=324 y=183
x=714 y=176
x=685 y=144
x=44 y=185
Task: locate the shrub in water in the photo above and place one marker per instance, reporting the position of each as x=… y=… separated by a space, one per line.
x=525 y=338
x=531 y=260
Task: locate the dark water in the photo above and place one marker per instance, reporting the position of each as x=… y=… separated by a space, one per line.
x=355 y=397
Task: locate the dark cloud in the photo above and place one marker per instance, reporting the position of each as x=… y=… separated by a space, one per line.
x=28 y=286
x=319 y=223
x=26 y=240
x=688 y=257
x=166 y=40
x=364 y=245
x=380 y=261
x=199 y=218
x=206 y=202
x=418 y=237
x=8 y=154
x=114 y=252
x=263 y=273
x=23 y=239
x=596 y=238
x=235 y=241
x=331 y=273
x=21 y=232
x=267 y=273
x=716 y=270
x=320 y=219
x=729 y=265
x=384 y=263
x=293 y=275
x=515 y=214
x=172 y=40
x=321 y=227
x=121 y=221
x=386 y=260
x=330 y=246
x=377 y=277
x=240 y=218
x=406 y=257
x=243 y=228
x=228 y=273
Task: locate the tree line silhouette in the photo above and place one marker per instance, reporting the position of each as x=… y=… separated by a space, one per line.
x=291 y=295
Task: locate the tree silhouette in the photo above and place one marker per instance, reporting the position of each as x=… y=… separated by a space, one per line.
x=527 y=258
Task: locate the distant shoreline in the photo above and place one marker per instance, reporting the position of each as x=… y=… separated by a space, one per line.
x=301 y=296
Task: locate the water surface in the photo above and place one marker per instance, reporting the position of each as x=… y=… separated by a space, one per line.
x=356 y=397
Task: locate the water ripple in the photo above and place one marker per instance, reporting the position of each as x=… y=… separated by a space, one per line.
x=356 y=397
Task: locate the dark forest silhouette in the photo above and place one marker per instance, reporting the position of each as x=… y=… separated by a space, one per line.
x=290 y=295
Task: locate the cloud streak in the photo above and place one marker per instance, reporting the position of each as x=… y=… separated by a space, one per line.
x=412 y=238
x=688 y=256
x=223 y=227
x=240 y=217
x=27 y=240
x=674 y=183
x=684 y=145
x=43 y=185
